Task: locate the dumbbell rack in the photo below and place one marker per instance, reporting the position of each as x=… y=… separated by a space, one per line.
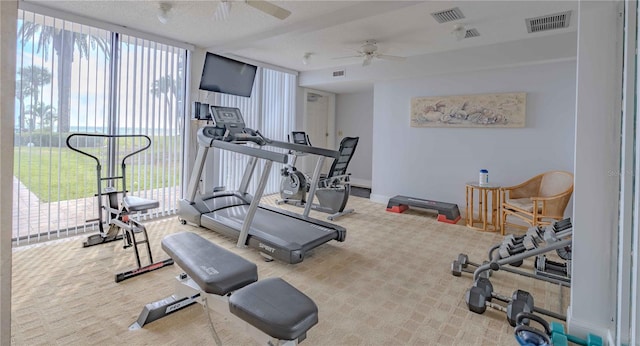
x=561 y=241
x=557 y=239
x=511 y=253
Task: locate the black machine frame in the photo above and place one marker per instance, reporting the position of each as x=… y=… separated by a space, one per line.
x=119 y=210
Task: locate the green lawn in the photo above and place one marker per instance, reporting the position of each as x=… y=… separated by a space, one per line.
x=58 y=174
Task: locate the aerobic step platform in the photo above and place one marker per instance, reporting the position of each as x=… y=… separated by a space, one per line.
x=447 y=212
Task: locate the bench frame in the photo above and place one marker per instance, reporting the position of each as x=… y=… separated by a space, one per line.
x=186 y=294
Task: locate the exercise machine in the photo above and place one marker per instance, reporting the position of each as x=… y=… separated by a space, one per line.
x=276 y=233
x=332 y=189
x=118 y=210
x=447 y=212
x=271 y=310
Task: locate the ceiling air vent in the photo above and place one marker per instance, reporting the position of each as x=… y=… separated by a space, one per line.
x=550 y=22
x=471 y=33
x=448 y=15
x=339 y=73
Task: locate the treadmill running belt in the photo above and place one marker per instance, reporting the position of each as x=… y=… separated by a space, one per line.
x=271 y=229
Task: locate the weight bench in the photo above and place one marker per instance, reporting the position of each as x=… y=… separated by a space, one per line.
x=275 y=312
x=447 y=212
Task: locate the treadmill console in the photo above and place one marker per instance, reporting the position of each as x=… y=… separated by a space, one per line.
x=300 y=137
x=229 y=126
x=227 y=117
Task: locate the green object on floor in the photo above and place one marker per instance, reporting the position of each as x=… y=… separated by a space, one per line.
x=559 y=337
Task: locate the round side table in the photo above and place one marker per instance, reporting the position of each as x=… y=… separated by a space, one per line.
x=487 y=199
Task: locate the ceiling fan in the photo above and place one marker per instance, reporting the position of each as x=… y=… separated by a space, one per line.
x=224 y=9
x=369 y=50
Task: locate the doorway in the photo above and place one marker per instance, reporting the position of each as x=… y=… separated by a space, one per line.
x=319 y=124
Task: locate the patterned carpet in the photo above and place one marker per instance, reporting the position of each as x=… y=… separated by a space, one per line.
x=388 y=283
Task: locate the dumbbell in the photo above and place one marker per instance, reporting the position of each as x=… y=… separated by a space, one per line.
x=530 y=242
x=536 y=232
x=544 y=265
x=551 y=231
x=464 y=261
x=527 y=335
x=457 y=268
x=562 y=225
x=479 y=297
x=564 y=253
x=505 y=251
x=553 y=333
x=512 y=240
x=521 y=301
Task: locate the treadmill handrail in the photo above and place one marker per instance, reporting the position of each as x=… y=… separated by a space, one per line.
x=243 y=149
x=305 y=149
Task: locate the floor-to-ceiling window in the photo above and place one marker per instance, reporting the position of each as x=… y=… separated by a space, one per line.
x=73 y=78
x=271 y=110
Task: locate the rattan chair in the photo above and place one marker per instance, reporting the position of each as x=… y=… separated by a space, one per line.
x=538 y=201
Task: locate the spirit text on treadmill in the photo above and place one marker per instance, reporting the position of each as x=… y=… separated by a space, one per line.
x=266 y=247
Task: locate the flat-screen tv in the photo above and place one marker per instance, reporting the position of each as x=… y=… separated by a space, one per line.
x=227 y=76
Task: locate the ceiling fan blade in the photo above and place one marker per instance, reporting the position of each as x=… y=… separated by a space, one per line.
x=269 y=8
x=223 y=10
x=391 y=57
x=347 y=57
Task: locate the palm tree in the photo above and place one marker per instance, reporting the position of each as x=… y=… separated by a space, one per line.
x=46 y=114
x=32 y=79
x=171 y=89
x=64 y=43
x=166 y=86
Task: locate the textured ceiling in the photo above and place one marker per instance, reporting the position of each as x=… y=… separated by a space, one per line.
x=327 y=29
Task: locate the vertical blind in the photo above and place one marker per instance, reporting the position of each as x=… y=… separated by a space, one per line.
x=73 y=78
x=271 y=110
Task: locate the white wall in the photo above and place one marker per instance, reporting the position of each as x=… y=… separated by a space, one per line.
x=300 y=101
x=354 y=118
x=435 y=163
x=597 y=155
x=8 y=15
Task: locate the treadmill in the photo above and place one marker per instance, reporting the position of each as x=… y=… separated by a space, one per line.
x=276 y=233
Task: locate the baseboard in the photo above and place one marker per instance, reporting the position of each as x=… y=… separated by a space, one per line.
x=360 y=182
x=380 y=199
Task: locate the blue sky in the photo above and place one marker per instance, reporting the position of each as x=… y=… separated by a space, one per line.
x=90 y=83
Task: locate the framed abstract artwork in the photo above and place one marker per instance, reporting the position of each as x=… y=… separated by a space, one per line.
x=481 y=110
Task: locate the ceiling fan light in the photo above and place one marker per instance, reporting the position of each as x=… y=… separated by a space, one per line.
x=223 y=11
x=459 y=31
x=367 y=60
x=305 y=58
x=163 y=12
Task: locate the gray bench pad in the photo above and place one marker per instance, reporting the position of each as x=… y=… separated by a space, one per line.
x=132 y=203
x=215 y=269
x=276 y=308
